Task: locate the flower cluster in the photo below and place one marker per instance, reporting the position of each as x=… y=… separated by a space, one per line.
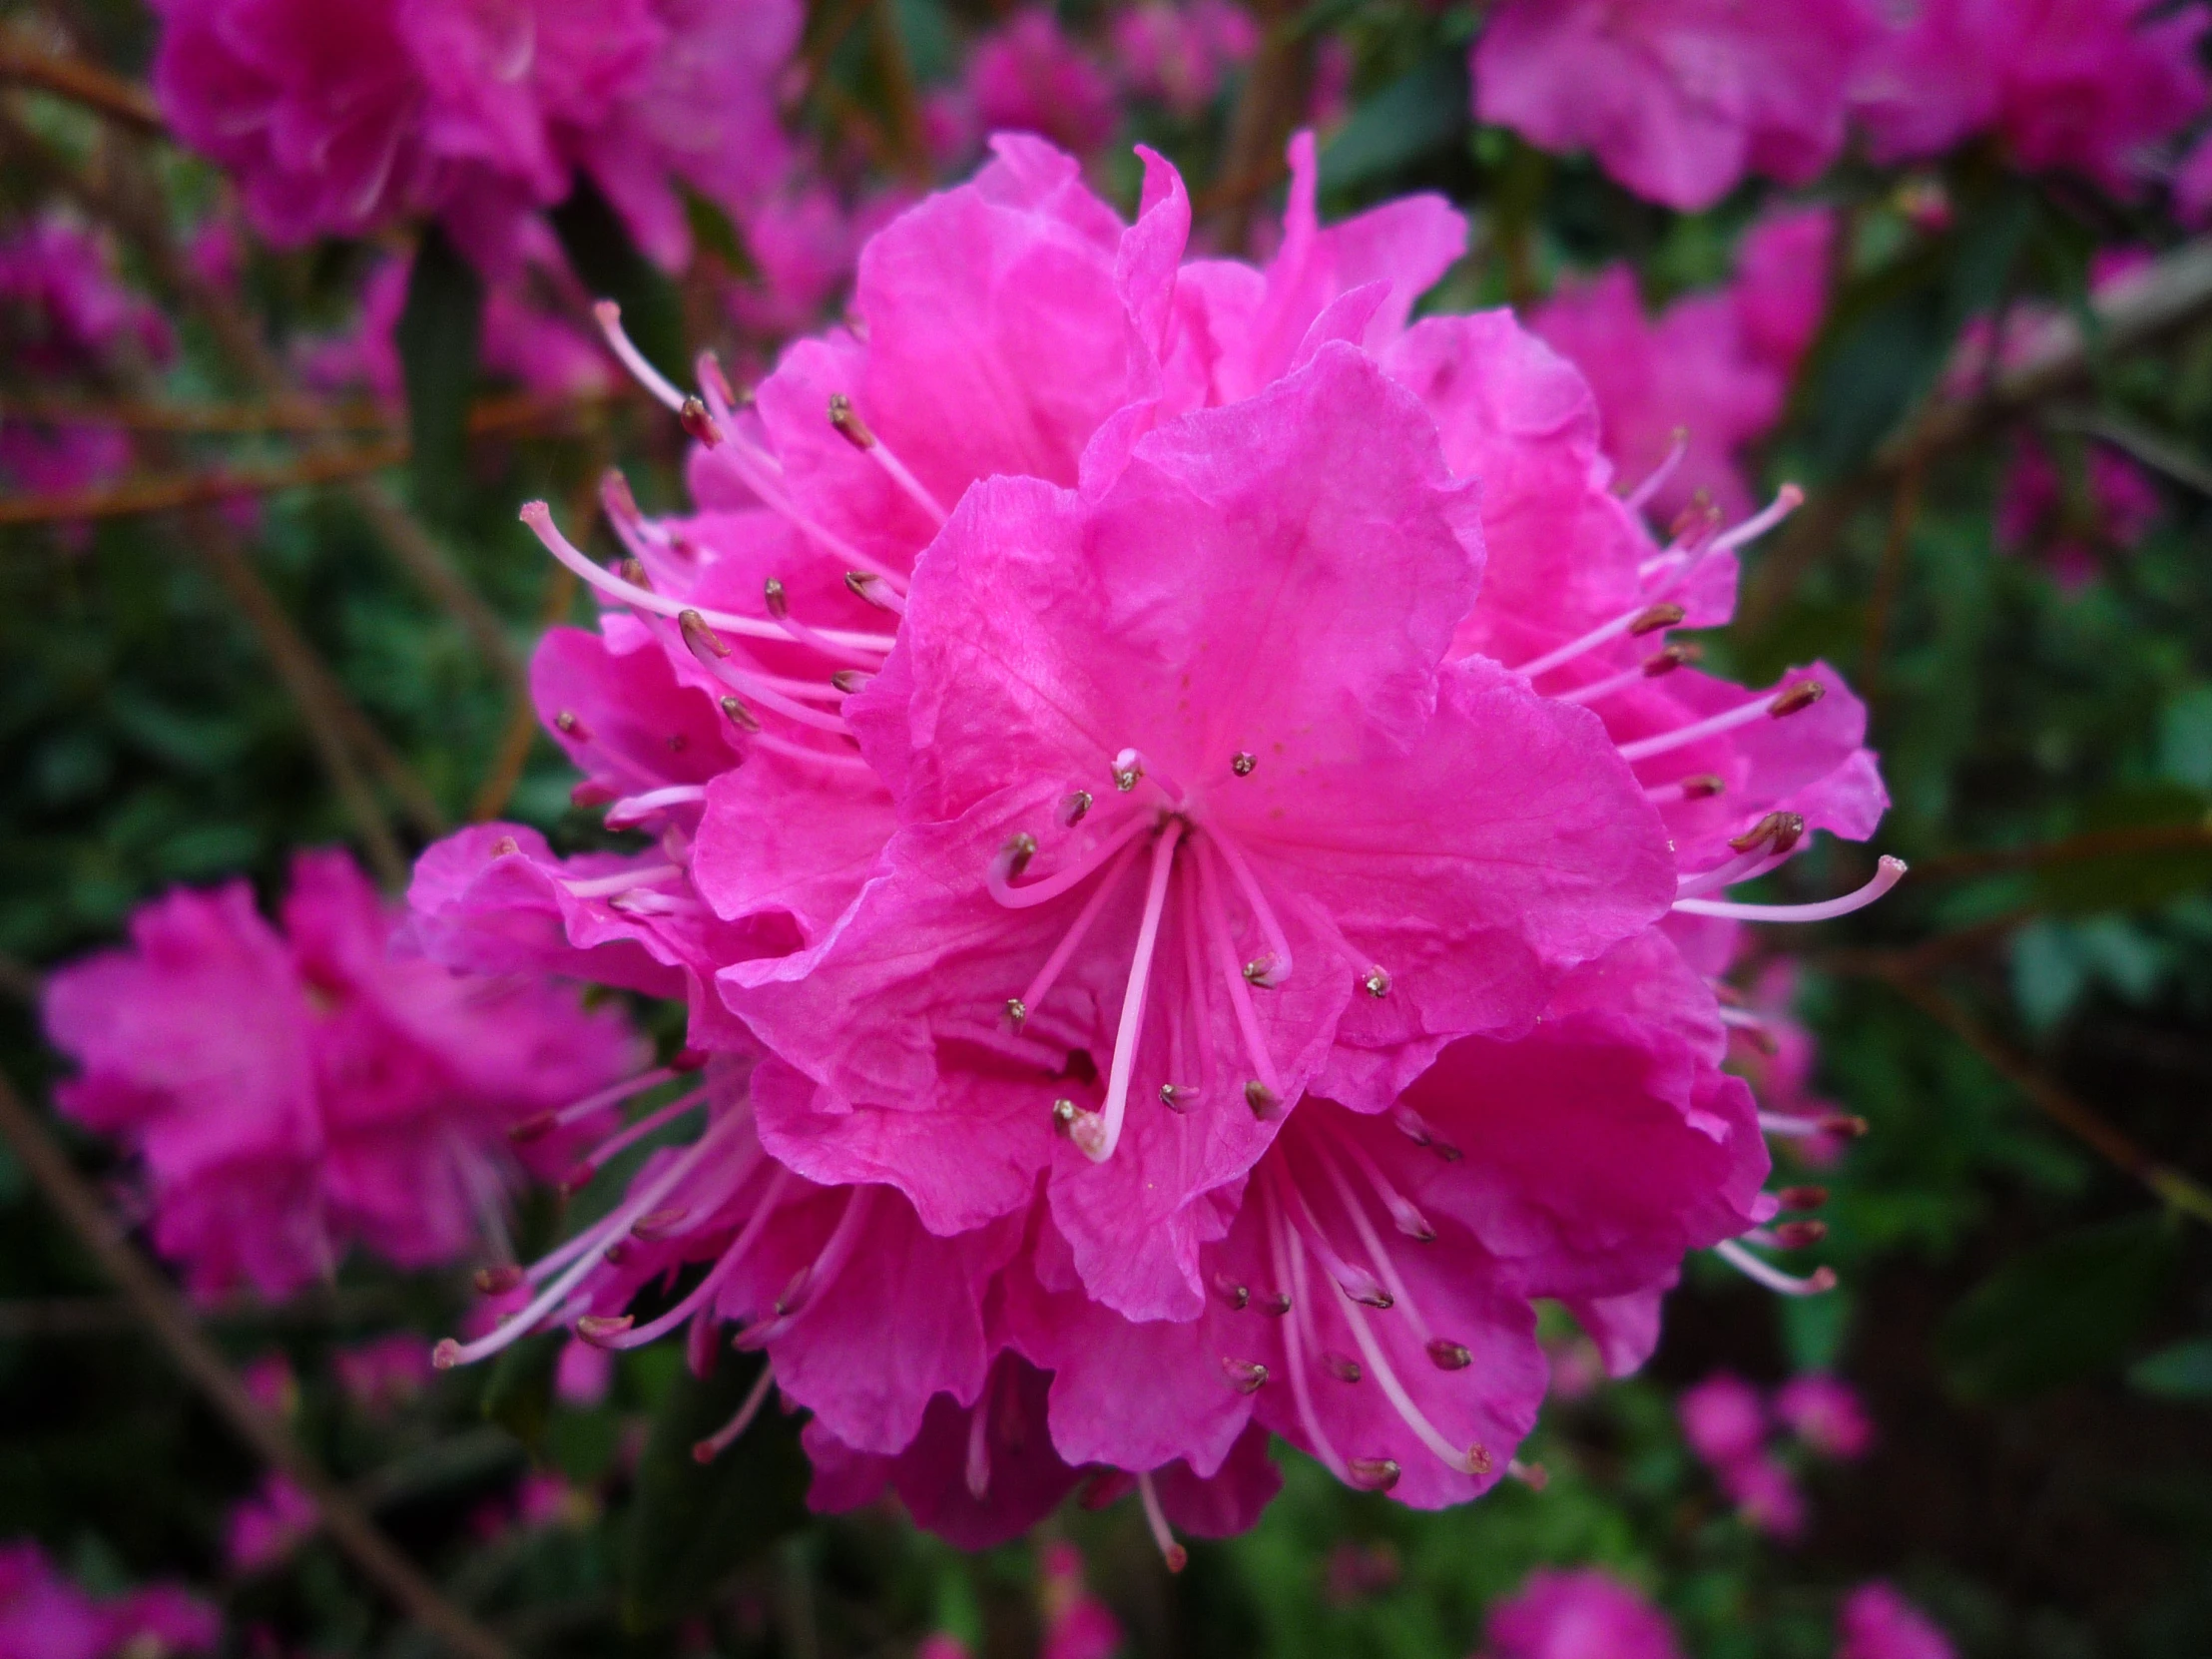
x=1730 y=1423
x=1173 y=809
x=1590 y=1614
x=291 y=1093
x=44 y=1615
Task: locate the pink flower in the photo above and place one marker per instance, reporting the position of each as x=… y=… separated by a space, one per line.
x=1685 y=377
x=1876 y=1622
x=1578 y=1615
x=2109 y=507
x=43 y=1615
x=2086 y=85
x=338 y=119
x=584 y=1376
x=290 y=1093
x=804 y=242
x=1724 y=1420
x=1077 y=1625
x=1766 y=1494
x=1028 y=76
x=271 y=1383
x=2192 y=185
x=1680 y=98
x=382 y=1373
x=1179 y=52
x=941 y=1645
x=263 y=1530
x=1823 y=1411
x=1781 y=286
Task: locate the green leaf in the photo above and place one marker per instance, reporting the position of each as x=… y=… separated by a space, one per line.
x=713 y=231
x=694 y=1524
x=519 y=1394
x=598 y=245
x=2066 y=1310
x=2183 y=1372
x=437 y=335
x=1420 y=112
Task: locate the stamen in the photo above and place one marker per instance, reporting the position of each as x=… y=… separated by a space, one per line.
x=1343 y=1367
x=1232 y=971
x=1247 y=1376
x=1288 y=1269
x=1842 y=1125
x=600 y=886
x=699 y=422
x=1659 y=663
x=497 y=1281
x=622 y=1139
x=780 y=611
x=1243 y=761
x=1232 y=1293
x=1656 y=481
x=713 y=655
x=1473 y=1460
x=1888 y=874
x=848 y=422
x=1385 y=1266
x=714 y=1444
x=609 y=317
x=1272 y=969
x=1354 y=1280
x=1072 y=808
x=1127 y=769
x=1816 y=1283
x=1803 y=695
x=1371 y=1475
x=1197 y=1005
x=1532 y=1475
x=544 y=1123
x=1448 y=1356
x=1766 y=845
x=1173 y=1553
x=635 y=809
x=1060 y=882
x=876 y=590
x=1375 y=983
x=977 y=1469
x=1404 y=1215
x=728 y=1263
x=1133 y=999
x=1801 y=1198
x=1699 y=786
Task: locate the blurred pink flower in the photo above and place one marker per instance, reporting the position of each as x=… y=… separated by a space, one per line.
x=339 y=119
x=263 y=1530
x=1724 y=1419
x=2086 y=85
x=1823 y=1411
x=1029 y=76
x=44 y=1615
x=271 y=1383
x=1876 y=1622
x=1680 y=98
x=1582 y=1613
x=1766 y=1494
x=2192 y=185
x=1781 y=286
x=2071 y=523
x=1179 y=51
x=803 y=243
x=1077 y=1625
x=382 y=1373
x=288 y=1093
x=584 y=1376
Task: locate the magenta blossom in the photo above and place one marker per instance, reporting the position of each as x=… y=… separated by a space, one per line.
x=1724 y=1419
x=1077 y=1625
x=1876 y=1622
x=1825 y=1412
x=1180 y=53
x=339 y=119
x=2073 y=523
x=263 y=1530
x=1766 y=1496
x=290 y=1093
x=1580 y=1614
x=2086 y=85
x=1680 y=98
x=382 y=1373
x=1781 y=283
x=43 y=1615
x=1029 y=76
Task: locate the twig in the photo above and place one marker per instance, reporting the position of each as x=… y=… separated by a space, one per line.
x=2154 y=449
x=1268 y=108
x=192 y=489
x=434 y=570
x=507 y=412
x=901 y=105
x=2074 y=850
x=109 y=1316
x=2052 y=1100
x=203 y=1365
x=26 y=63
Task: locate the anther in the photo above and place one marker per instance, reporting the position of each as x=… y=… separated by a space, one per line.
x=779 y=604
x=1177 y=1097
x=1702 y=786
x=1371 y=1475
x=506 y=846
x=1072 y=808
x=1243 y=761
x=1245 y=1376
x=740 y=716
x=1803 y=695
x=1800 y=1235
x=1656 y=617
x=634 y=572
x=1020 y=847
x=1016 y=1011
x=1375 y=982
x=1260 y=1099
x=532 y=1128
x=1478 y=1458
x=717 y=383
x=1847 y=1124
x=497 y=1281
x=1409 y=1125
x=658 y=1224
x=1343 y=1367
x=1274 y=1304
x=620 y=500
x=1260 y=971
x=848 y=423
x=1449 y=1356
x=447 y=1354
x=1801 y=1198
x=1667 y=661
x=569 y=726
x=1782 y=829
x=1532 y=1475
x=1447 y=1151
x=1128 y=768
x=702 y=639
x=700 y=422
x=597 y=1328
x=1063 y=1115
x=850 y=680
x=1232 y=1293
x=865 y=584
x=590 y=793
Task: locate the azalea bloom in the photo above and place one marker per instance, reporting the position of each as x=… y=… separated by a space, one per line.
x=44 y=1615
x=1166 y=984
x=2071 y=523
x=288 y=1093
x=263 y=1530
x=1180 y=54
x=1029 y=75
x=1724 y=1419
x=338 y=119
x=1876 y=1622
x=1782 y=281
x=1825 y=1412
x=1680 y=98
x=1579 y=1614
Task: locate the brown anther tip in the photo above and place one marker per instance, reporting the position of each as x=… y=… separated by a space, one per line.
x=634 y=573
x=1801 y=1198
x=1449 y=1356
x=703 y=1451
x=739 y=714
x=1243 y=761
x=1702 y=786
x=1374 y=1296
x=506 y=846
x=497 y=1281
x=569 y=726
x=1478 y=1458
x=1233 y=1293
x=576 y=1180
x=1656 y=617
x=1533 y=1476
x=1803 y=695
x=699 y=422
x=848 y=424
x=1073 y=807
x=1820 y=1279
x=1447 y=1151
x=850 y=680
x=862 y=584
x=1020 y=847
x=1063 y=1115
x=1245 y=1376
x=702 y=639
x=656 y=1224
x=1801 y=1234
x=1260 y=1099
x=447 y=1354
x=1375 y=982
x=590 y=793
x=778 y=606
x=597 y=1328
x=616 y=494
x=1172 y=1096
x=1016 y=1011
x=1668 y=659
x=1274 y=1304
x=1781 y=829
x=1343 y=1367
x=1373 y=1474
x=1177 y=1557
x=532 y=1128
x=1847 y=1124
x=687 y=1059
x=1764 y=1040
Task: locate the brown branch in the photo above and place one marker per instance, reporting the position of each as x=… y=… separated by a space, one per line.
x=168 y=493
x=2052 y=1100
x=171 y=1323
x=26 y=63
x=1269 y=107
x=2074 y=850
x=507 y=412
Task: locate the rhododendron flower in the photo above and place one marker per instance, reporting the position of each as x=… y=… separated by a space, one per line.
x=1876 y=1622
x=1781 y=286
x=2087 y=85
x=1169 y=815
x=2069 y=523
x=1766 y=1496
x=1578 y=1615
x=264 y=1529
x=1077 y=1625
x=1823 y=1411
x=1680 y=98
x=382 y=1373
x=1724 y=1419
x=802 y=243
x=288 y=1093
x=1029 y=76
x=1180 y=53
x=43 y=1615
x=339 y=119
